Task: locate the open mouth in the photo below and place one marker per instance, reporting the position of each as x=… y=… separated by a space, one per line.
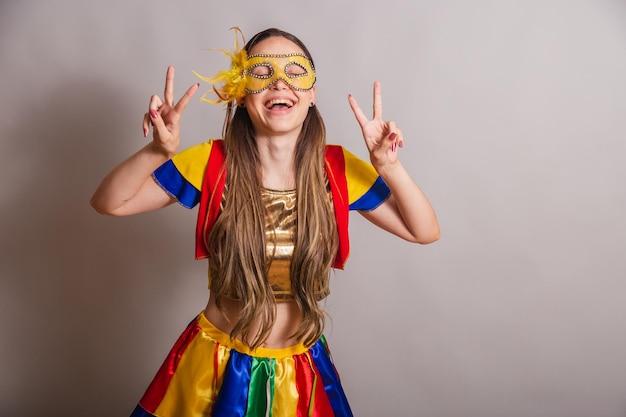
x=279 y=103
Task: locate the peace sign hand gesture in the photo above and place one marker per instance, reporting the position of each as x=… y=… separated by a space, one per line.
x=164 y=116
x=382 y=138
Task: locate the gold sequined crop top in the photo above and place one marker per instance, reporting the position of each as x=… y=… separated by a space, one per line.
x=280 y=229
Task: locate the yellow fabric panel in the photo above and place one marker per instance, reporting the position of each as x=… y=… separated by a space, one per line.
x=285 y=389
x=360 y=176
x=193 y=375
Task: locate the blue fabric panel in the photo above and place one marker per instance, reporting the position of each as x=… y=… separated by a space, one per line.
x=330 y=378
x=232 y=399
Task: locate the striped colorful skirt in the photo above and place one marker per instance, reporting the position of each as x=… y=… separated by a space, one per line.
x=208 y=374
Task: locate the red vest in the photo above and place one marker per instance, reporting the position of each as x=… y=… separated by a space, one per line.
x=213 y=189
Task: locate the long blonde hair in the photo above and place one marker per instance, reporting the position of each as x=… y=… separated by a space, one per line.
x=237 y=241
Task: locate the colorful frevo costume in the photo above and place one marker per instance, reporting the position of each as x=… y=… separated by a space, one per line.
x=207 y=373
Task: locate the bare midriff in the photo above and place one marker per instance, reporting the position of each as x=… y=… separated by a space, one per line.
x=288 y=318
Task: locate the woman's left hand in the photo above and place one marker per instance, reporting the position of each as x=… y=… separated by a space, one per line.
x=382 y=138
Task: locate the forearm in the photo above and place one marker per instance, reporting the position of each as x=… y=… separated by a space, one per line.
x=124 y=181
x=411 y=204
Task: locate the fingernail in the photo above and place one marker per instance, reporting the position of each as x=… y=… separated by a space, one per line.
x=145 y=132
x=392 y=136
x=393 y=147
x=153 y=113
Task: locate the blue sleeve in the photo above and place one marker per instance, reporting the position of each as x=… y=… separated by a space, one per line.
x=183 y=175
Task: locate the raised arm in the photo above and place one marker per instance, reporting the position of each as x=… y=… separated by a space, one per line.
x=129 y=187
x=407 y=213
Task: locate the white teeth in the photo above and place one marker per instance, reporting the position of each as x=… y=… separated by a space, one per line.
x=286 y=102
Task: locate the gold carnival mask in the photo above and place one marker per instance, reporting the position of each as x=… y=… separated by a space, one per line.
x=254 y=74
x=265 y=70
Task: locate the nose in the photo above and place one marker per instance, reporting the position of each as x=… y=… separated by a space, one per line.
x=280 y=84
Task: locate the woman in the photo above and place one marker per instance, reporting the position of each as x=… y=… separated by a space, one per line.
x=273 y=203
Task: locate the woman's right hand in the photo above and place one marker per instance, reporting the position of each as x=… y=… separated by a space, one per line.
x=129 y=187
x=164 y=116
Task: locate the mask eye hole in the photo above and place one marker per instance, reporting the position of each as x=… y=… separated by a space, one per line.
x=261 y=71
x=293 y=70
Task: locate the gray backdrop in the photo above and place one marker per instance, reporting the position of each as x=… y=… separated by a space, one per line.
x=513 y=114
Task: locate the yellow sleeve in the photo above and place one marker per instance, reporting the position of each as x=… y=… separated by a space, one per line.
x=182 y=176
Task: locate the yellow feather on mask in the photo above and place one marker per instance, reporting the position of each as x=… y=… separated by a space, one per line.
x=234 y=79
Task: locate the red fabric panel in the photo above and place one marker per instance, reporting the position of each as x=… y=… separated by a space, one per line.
x=336 y=170
x=211 y=197
x=308 y=391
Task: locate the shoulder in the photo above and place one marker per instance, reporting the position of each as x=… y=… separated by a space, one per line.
x=355 y=167
x=366 y=189
x=182 y=175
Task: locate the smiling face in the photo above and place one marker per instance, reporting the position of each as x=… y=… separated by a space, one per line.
x=285 y=87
